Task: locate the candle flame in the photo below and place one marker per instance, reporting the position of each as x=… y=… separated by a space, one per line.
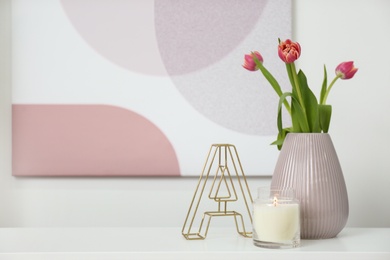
x=275 y=201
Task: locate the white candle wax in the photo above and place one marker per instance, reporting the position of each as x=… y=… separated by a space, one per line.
x=276 y=222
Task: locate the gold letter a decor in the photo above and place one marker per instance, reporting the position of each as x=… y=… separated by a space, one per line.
x=223 y=187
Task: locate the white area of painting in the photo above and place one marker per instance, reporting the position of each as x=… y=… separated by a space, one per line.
x=66 y=70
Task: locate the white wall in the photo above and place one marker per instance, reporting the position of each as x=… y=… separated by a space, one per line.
x=330 y=31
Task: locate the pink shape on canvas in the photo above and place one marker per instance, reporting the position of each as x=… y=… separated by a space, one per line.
x=88 y=140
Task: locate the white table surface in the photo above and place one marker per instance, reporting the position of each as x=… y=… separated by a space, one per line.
x=168 y=243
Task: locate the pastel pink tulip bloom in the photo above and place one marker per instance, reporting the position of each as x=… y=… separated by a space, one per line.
x=249 y=62
x=346 y=70
x=289 y=51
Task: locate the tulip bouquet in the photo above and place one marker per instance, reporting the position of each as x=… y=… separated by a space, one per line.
x=308 y=115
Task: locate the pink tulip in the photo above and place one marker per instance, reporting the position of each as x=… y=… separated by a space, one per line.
x=346 y=70
x=249 y=62
x=289 y=51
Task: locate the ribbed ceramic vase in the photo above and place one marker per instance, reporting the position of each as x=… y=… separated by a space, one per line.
x=308 y=163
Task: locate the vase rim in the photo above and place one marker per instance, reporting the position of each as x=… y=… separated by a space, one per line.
x=308 y=133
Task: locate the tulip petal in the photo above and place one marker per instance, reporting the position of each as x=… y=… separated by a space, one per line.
x=346 y=70
x=249 y=62
x=289 y=51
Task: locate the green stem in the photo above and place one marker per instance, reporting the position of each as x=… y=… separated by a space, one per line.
x=297 y=86
x=323 y=102
x=275 y=85
x=290 y=75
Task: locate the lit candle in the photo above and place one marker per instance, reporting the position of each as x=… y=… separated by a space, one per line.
x=276 y=221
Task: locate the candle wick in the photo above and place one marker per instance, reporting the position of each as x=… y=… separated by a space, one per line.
x=275 y=201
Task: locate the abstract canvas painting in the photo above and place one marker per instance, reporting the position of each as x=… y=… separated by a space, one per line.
x=142 y=87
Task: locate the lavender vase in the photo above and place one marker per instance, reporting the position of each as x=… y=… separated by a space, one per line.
x=308 y=163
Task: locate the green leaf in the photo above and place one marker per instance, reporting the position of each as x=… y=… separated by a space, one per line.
x=297 y=114
x=281 y=136
x=298 y=117
x=324 y=84
x=325 y=114
x=310 y=105
x=282 y=131
x=280 y=105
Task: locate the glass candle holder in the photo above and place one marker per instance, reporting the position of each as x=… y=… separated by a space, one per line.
x=276 y=222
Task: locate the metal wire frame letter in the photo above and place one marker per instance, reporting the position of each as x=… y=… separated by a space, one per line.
x=220 y=158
